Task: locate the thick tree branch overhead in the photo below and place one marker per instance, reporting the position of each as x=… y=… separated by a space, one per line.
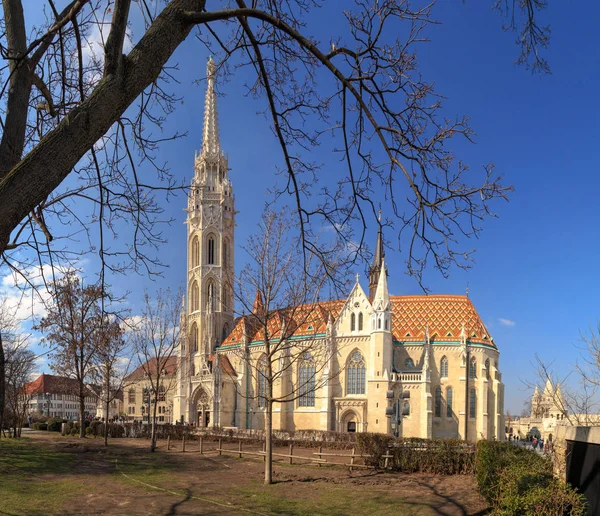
x=68 y=111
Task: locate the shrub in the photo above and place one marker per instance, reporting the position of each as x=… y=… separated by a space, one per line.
x=54 y=424
x=374 y=446
x=89 y=431
x=494 y=456
x=41 y=426
x=526 y=491
x=74 y=431
x=517 y=481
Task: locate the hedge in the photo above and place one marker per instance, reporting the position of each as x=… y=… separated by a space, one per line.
x=414 y=455
x=518 y=481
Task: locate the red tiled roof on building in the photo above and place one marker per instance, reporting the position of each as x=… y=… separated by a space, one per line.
x=444 y=315
x=52 y=384
x=169 y=368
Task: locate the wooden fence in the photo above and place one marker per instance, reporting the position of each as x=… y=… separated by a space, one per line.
x=320 y=458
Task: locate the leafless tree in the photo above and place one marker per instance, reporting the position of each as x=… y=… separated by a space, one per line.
x=74 y=318
x=110 y=366
x=8 y=327
x=75 y=108
x=155 y=341
x=20 y=363
x=573 y=395
x=278 y=293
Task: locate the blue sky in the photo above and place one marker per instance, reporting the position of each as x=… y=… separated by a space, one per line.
x=535 y=277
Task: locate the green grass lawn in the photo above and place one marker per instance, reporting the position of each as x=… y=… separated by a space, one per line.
x=28 y=483
x=48 y=474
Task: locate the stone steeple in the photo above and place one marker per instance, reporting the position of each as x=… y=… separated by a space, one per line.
x=210 y=135
x=375 y=269
x=381 y=301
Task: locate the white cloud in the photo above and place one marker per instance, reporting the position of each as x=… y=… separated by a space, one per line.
x=506 y=322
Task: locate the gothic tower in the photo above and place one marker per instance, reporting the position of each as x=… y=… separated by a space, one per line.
x=375 y=269
x=210 y=254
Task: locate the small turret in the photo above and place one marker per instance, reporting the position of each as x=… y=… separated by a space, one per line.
x=381 y=318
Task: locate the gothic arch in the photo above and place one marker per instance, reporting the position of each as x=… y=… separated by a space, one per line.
x=226 y=252
x=195 y=297
x=211 y=294
x=349 y=420
x=212 y=248
x=194 y=338
x=356 y=367
x=195 y=252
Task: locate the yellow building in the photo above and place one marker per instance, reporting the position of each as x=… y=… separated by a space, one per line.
x=137 y=386
x=431 y=356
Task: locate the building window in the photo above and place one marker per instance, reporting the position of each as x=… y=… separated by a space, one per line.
x=473 y=368
x=360 y=321
x=195 y=252
x=472 y=403
x=162 y=393
x=438 y=402
x=306 y=380
x=356 y=374
x=352 y=322
x=449 y=402
x=409 y=363
x=262 y=382
x=131 y=396
x=487 y=368
x=210 y=258
x=194 y=338
x=195 y=298
x=211 y=295
x=444 y=368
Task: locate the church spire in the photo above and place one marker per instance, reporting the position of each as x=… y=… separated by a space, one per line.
x=210 y=136
x=381 y=302
x=377 y=267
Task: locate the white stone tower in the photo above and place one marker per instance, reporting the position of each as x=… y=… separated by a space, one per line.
x=210 y=259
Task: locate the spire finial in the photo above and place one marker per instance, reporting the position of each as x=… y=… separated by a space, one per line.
x=467 y=290
x=210 y=136
x=357 y=277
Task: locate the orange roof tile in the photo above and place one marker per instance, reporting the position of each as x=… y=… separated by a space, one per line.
x=443 y=314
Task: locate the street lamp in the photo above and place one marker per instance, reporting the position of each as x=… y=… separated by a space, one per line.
x=395 y=411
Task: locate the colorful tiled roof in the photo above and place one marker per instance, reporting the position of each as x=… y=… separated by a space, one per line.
x=303 y=320
x=444 y=315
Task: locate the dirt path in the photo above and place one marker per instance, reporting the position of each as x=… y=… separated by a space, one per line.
x=127 y=479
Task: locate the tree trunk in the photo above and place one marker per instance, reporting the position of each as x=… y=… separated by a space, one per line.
x=81 y=412
x=269 y=442
x=2 y=385
x=107 y=406
x=153 y=431
x=106 y=419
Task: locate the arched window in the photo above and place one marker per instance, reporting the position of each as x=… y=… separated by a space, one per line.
x=444 y=367
x=131 y=396
x=472 y=403
x=162 y=393
x=356 y=374
x=210 y=251
x=473 y=368
x=306 y=381
x=352 y=322
x=194 y=338
x=211 y=296
x=261 y=387
x=409 y=363
x=360 y=321
x=487 y=368
x=195 y=252
x=195 y=298
x=449 y=402
x=379 y=323
x=438 y=402
x=192 y=368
